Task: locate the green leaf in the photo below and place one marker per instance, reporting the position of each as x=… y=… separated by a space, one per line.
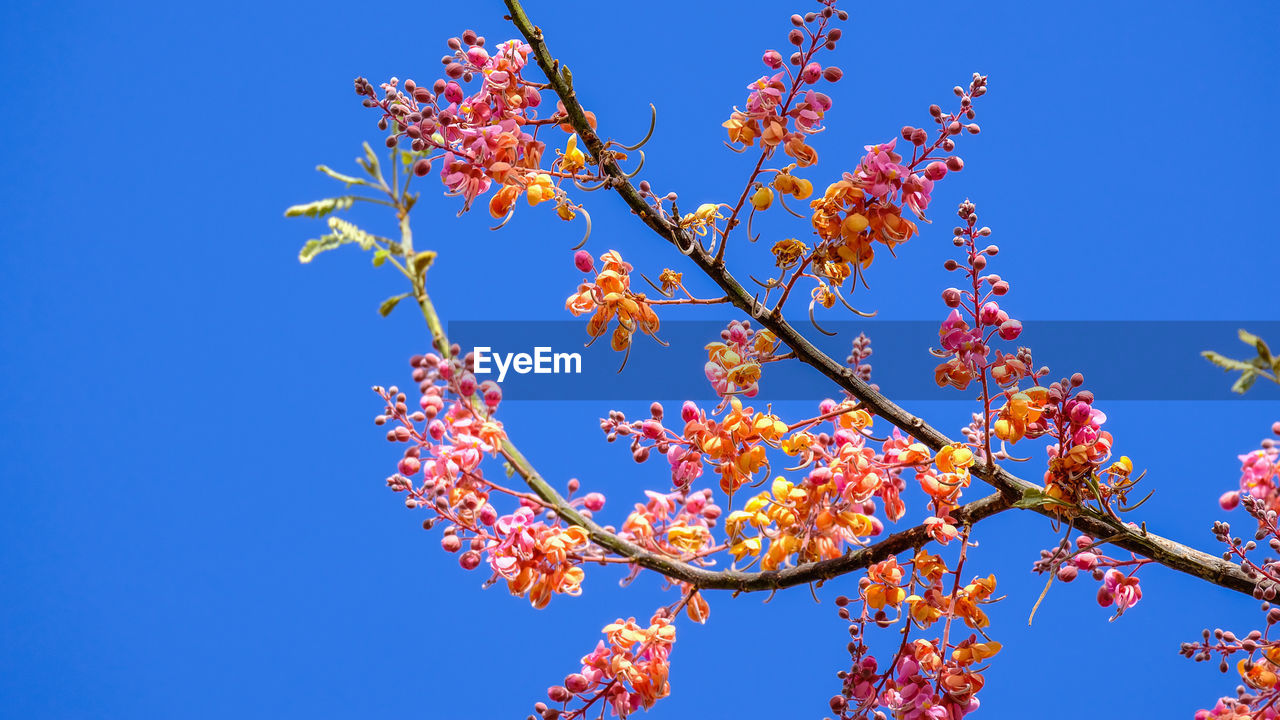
x=349 y=180
x=390 y=304
x=320 y=208
x=1032 y=498
x=1264 y=352
x=1226 y=363
x=317 y=246
x=343 y=233
x=380 y=257
x=1244 y=382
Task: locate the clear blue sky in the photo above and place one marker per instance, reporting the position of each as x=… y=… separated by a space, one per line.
x=192 y=516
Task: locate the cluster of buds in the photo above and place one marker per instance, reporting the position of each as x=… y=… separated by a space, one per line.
x=925 y=677
x=609 y=297
x=1119 y=585
x=1257 y=663
x=976 y=317
x=783 y=108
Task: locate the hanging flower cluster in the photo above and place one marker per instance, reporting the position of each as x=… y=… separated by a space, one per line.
x=925 y=677
x=1119 y=585
x=448 y=437
x=608 y=298
x=628 y=671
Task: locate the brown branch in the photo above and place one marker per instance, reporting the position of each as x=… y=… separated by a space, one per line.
x=1014 y=489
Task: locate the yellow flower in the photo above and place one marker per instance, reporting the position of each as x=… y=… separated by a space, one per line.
x=572 y=160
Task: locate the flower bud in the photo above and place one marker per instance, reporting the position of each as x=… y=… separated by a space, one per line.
x=1010 y=329
x=1067 y=573
x=773 y=59
x=583 y=261
x=951 y=296
x=470 y=560
x=935 y=171
x=811 y=72
x=1230 y=500
x=409 y=466
x=451 y=543
x=955 y=164
x=832 y=74
x=688 y=411
x=576 y=683
x=762 y=198
x=795 y=37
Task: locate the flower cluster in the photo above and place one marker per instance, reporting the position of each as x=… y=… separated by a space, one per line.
x=609 y=297
x=733 y=363
x=783 y=108
x=1119 y=588
x=628 y=670
x=926 y=677
x=484 y=138
x=448 y=437
x=1259 y=476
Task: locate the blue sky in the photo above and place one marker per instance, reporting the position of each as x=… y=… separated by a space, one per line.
x=192 y=519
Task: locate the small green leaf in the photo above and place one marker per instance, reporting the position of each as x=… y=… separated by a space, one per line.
x=349 y=180
x=317 y=246
x=320 y=208
x=1244 y=382
x=390 y=304
x=1226 y=363
x=1032 y=498
x=380 y=257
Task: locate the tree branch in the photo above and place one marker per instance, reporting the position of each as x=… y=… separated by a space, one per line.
x=1014 y=489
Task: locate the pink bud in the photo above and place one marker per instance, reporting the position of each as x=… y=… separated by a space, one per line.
x=951 y=296
x=811 y=72
x=652 y=429
x=470 y=560
x=688 y=411
x=576 y=683
x=1105 y=596
x=955 y=164
x=773 y=59
x=492 y=393
x=593 y=501
x=1000 y=287
x=1230 y=500
x=409 y=466
x=436 y=430
x=1085 y=560
x=582 y=260
x=935 y=171
x=467 y=385
x=453 y=92
x=832 y=74
x=1010 y=329
x=1067 y=573
x=488 y=515
x=478 y=56
x=451 y=543
x=989 y=312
